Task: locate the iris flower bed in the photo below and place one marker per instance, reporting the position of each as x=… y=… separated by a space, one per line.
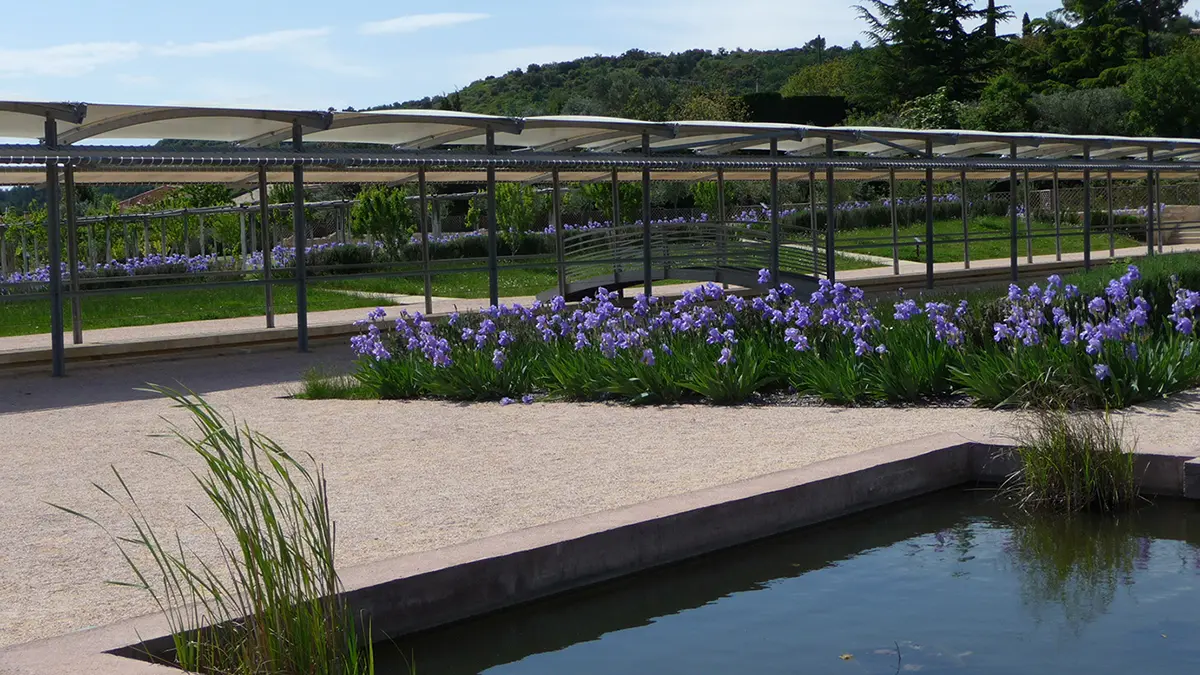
x=1047 y=345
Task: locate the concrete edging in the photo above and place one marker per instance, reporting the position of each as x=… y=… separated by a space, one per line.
x=424 y=590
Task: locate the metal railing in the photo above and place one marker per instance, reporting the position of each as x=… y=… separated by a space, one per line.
x=683 y=239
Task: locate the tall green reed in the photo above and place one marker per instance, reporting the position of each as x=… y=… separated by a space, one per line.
x=268 y=604
x=1072 y=462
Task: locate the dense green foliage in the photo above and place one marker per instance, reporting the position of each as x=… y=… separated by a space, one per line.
x=385 y=214
x=635 y=84
x=1091 y=66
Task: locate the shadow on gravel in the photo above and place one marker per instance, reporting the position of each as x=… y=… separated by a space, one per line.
x=90 y=385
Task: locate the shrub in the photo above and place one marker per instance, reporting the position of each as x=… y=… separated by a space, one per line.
x=385 y=214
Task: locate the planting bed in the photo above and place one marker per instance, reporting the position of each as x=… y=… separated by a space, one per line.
x=1102 y=343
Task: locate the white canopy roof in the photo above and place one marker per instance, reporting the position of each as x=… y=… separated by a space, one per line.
x=427 y=130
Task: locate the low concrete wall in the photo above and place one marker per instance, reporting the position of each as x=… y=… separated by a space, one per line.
x=425 y=590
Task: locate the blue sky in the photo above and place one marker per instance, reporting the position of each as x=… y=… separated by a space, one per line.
x=309 y=54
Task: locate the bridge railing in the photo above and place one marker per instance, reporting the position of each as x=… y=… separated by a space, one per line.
x=676 y=245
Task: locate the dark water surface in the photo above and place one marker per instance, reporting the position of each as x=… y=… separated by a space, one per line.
x=954 y=582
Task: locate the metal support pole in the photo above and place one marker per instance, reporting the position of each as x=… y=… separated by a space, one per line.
x=1057 y=217
x=162 y=231
x=722 y=221
x=146 y=237
x=1150 y=207
x=91 y=231
x=1012 y=210
x=830 y=215
x=966 y=217
x=4 y=273
x=58 y=350
x=1087 y=208
x=243 y=251
x=298 y=240
x=1112 y=234
x=1158 y=209
x=775 y=239
x=108 y=256
x=560 y=251
x=929 y=216
x=895 y=221
x=613 y=238
x=186 y=248
x=128 y=245
x=424 y=222
x=73 y=253
x=812 y=218
x=647 y=268
x=264 y=219
x=203 y=248
x=1028 y=220
x=493 y=263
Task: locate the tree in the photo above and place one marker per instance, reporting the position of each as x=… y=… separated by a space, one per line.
x=1085 y=111
x=385 y=214
x=935 y=111
x=927 y=45
x=705 y=104
x=518 y=208
x=832 y=78
x=1149 y=17
x=1026 y=31
x=1004 y=105
x=1165 y=94
x=816 y=46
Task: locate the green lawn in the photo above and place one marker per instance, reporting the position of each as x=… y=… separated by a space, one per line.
x=28 y=317
x=513 y=282
x=996 y=228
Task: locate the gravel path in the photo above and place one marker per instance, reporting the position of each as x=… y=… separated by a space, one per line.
x=404 y=476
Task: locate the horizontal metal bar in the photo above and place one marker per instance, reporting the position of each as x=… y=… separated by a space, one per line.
x=93 y=157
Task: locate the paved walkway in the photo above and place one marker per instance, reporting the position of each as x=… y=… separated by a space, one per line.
x=403 y=476
x=908 y=269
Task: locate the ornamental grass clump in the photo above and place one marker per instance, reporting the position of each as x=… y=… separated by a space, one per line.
x=1039 y=347
x=1073 y=462
x=269 y=604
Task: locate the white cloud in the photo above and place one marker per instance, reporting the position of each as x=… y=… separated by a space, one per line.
x=68 y=60
x=262 y=42
x=415 y=22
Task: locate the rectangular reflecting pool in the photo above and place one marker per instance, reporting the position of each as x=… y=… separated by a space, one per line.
x=954 y=582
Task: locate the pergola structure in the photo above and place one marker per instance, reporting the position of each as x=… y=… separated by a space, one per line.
x=267 y=146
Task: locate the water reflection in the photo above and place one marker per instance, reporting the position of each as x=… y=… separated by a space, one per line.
x=1074 y=563
x=950 y=582
x=1077 y=564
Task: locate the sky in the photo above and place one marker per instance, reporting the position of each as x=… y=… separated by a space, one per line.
x=316 y=55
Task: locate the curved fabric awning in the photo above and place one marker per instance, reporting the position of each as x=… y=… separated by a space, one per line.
x=424 y=133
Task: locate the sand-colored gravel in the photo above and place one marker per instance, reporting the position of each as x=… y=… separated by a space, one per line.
x=404 y=477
